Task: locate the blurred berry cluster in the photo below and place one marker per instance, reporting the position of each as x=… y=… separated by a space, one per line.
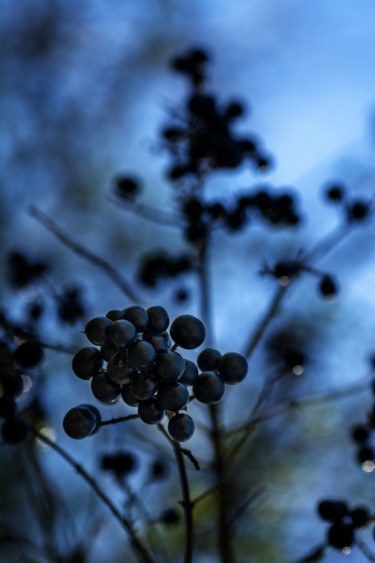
x=355 y=210
x=343 y=522
x=20 y=353
x=133 y=358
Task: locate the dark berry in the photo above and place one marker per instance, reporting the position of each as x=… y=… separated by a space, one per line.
x=332 y=510
x=187 y=331
x=365 y=453
x=14 y=430
x=118 y=369
x=327 y=286
x=81 y=421
x=114 y=315
x=181 y=427
x=128 y=396
x=159 y=469
x=28 y=354
x=341 y=535
x=95 y=330
x=335 y=192
x=208 y=388
x=358 y=211
x=137 y=316
x=208 y=359
x=360 y=433
x=360 y=516
x=104 y=389
x=141 y=354
x=190 y=374
x=149 y=411
x=158 y=319
x=143 y=386
x=232 y=367
x=121 y=333
x=170 y=517
x=120 y=463
x=7 y=406
x=127 y=187
x=107 y=350
x=87 y=362
x=169 y=366
x=158 y=342
x=172 y=395
x=12 y=384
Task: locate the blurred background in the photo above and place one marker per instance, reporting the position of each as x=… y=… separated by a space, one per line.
x=86 y=91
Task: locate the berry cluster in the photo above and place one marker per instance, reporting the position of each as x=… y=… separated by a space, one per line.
x=343 y=522
x=158 y=266
x=355 y=210
x=361 y=434
x=13 y=363
x=203 y=139
x=137 y=362
x=285 y=270
x=22 y=271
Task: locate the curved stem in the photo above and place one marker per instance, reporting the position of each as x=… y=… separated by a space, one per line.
x=224 y=522
x=205 y=305
x=105 y=266
x=137 y=545
x=187 y=503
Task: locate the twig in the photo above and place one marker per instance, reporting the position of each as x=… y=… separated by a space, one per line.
x=224 y=524
x=119 y=419
x=315 y=555
x=137 y=545
x=246 y=504
x=186 y=503
x=267 y=317
x=365 y=549
x=90 y=256
x=205 y=495
x=190 y=456
x=58 y=347
x=152 y=214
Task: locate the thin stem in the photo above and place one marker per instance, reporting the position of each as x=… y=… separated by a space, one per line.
x=187 y=503
x=224 y=523
x=149 y=213
x=314 y=555
x=205 y=305
x=136 y=544
x=90 y=256
x=267 y=317
x=119 y=419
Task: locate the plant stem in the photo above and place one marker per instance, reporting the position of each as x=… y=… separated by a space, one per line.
x=136 y=544
x=205 y=306
x=224 y=522
x=267 y=317
x=187 y=503
x=105 y=266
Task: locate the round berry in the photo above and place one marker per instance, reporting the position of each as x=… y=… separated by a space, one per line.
x=188 y=332
x=327 y=286
x=190 y=374
x=81 y=421
x=95 y=330
x=335 y=192
x=7 y=406
x=28 y=354
x=118 y=370
x=121 y=333
x=87 y=362
x=181 y=427
x=232 y=367
x=137 y=316
x=169 y=366
x=104 y=389
x=360 y=433
x=149 y=411
x=172 y=396
x=159 y=343
x=341 y=535
x=158 y=319
x=128 y=396
x=208 y=359
x=114 y=315
x=332 y=510
x=208 y=388
x=141 y=354
x=107 y=350
x=360 y=516
x=143 y=386
x=14 y=430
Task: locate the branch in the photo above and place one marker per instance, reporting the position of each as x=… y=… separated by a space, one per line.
x=91 y=257
x=186 y=503
x=136 y=544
